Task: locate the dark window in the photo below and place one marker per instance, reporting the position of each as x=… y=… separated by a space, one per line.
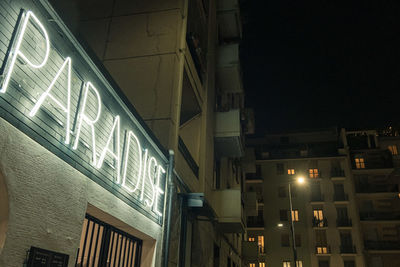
x=298 y=240
x=349 y=263
x=217 y=174
x=279 y=169
x=101 y=244
x=258 y=170
x=346 y=240
x=320 y=236
x=216 y=255
x=284 y=139
x=285 y=240
x=323 y=263
x=342 y=213
x=282 y=191
x=283 y=215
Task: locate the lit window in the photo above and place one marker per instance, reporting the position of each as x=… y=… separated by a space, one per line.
x=322 y=250
x=313 y=173
x=319 y=217
x=261 y=244
x=393 y=149
x=261 y=264
x=252 y=239
x=360 y=163
x=286 y=264
x=290 y=171
x=299 y=264
x=295 y=215
x=252 y=265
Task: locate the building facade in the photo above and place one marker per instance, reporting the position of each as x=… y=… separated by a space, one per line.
x=93 y=95
x=344 y=214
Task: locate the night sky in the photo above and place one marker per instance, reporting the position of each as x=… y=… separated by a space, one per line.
x=315 y=64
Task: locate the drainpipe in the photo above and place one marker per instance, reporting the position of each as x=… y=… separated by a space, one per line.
x=170 y=190
x=182 y=240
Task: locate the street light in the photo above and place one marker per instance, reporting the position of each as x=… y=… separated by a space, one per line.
x=299 y=180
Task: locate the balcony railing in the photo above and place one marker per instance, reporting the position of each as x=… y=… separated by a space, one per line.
x=346 y=249
x=188 y=157
x=377 y=188
x=319 y=223
x=343 y=222
x=253 y=176
x=317 y=198
x=322 y=249
x=379 y=216
x=340 y=197
x=255 y=221
x=337 y=173
x=382 y=245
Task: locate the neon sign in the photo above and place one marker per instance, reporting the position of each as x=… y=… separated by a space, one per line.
x=89 y=126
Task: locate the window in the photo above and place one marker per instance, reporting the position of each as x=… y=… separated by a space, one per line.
x=284 y=139
x=283 y=215
x=261 y=264
x=261 y=244
x=290 y=171
x=252 y=265
x=299 y=264
x=322 y=250
x=393 y=149
x=282 y=191
x=252 y=239
x=349 y=263
x=286 y=264
x=320 y=238
x=323 y=263
x=279 y=168
x=318 y=218
x=295 y=215
x=98 y=237
x=285 y=240
x=313 y=173
x=298 y=240
x=360 y=163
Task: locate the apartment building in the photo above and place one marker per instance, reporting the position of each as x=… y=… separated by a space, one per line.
x=325 y=208
x=374 y=162
x=137 y=78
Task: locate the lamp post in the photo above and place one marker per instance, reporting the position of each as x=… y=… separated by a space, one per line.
x=300 y=180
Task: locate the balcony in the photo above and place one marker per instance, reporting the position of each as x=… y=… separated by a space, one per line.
x=250 y=251
x=317 y=223
x=372 y=159
x=255 y=222
x=230 y=26
x=337 y=174
x=380 y=216
x=341 y=197
x=345 y=249
x=229 y=76
x=382 y=245
x=250 y=202
x=377 y=188
x=317 y=198
x=343 y=222
x=228 y=134
x=229 y=210
x=254 y=177
x=323 y=250
x=197 y=36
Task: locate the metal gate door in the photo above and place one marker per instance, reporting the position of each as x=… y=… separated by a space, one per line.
x=103 y=245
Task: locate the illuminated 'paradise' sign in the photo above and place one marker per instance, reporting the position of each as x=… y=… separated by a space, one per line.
x=74 y=105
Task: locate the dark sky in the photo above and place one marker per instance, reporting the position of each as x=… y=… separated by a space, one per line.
x=312 y=64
